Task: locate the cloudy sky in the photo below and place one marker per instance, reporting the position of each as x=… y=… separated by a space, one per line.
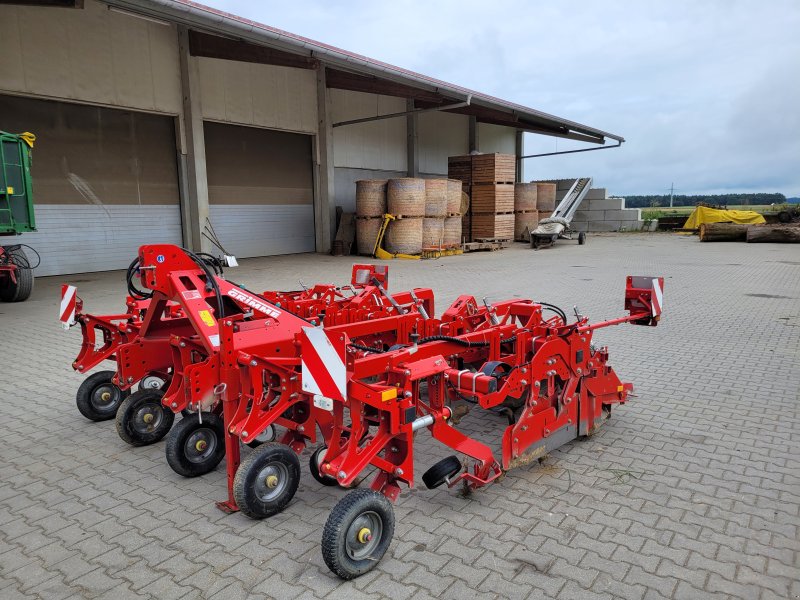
x=707 y=94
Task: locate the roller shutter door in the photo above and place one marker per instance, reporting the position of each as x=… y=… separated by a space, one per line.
x=260 y=189
x=105 y=182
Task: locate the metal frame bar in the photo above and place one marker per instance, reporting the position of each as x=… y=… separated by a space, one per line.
x=404 y=113
x=617 y=145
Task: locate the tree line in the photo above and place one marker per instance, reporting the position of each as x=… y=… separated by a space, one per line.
x=716 y=199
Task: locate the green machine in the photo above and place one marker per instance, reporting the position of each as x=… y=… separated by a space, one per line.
x=16 y=215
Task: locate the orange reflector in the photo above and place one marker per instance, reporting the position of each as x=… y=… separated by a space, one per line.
x=390 y=394
x=620 y=388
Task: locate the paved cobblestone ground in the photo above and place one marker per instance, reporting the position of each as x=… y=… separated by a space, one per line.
x=691 y=490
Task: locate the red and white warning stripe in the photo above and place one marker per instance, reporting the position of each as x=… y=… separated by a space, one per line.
x=323 y=364
x=657 y=301
x=69 y=298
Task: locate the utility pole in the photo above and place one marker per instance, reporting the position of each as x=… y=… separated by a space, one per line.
x=671 y=190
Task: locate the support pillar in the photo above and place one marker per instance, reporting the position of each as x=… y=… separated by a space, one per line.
x=412 y=148
x=473 y=134
x=192 y=150
x=324 y=207
x=520 y=151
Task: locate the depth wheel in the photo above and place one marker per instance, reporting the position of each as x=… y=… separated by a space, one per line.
x=581 y=238
x=97 y=398
x=441 y=472
x=357 y=533
x=266 y=436
x=195 y=448
x=141 y=420
x=313 y=465
x=151 y=382
x=266 y=481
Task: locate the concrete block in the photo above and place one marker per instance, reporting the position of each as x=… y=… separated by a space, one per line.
x=631 y=225
x=597 y=194
x=599 y=226
x=579 y=226
x=605 y=204
x=590 y=215
x=563 y=185
x=619 y=215
x=632 y=214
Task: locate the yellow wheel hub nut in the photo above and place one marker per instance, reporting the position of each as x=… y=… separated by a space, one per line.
x=148 y=418
x=364 y=535
x=201 y=445
x=105 y=396
x=272 y=481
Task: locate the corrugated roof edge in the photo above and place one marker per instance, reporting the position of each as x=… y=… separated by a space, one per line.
x=214 y=19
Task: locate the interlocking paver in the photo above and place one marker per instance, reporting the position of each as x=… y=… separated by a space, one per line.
x=691 y=490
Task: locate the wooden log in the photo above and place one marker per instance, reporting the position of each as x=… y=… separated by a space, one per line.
x=786 y=234
x=723 y=232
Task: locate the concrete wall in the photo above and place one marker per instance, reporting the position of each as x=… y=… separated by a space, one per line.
x=259 y=95
x=345 y=181
x=91 y=55
x=495 y=138
x=378 y=145
x=440 y=135
x=599 y=213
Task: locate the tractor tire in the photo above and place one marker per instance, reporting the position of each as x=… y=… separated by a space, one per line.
x=266 y=481
x=97 y=398
x=313 y=466
x=785 y=216
x=141 y=420
x=21 y=290
x=194 y=448
x=442 y=471
x=357 y=533
x=581 y=238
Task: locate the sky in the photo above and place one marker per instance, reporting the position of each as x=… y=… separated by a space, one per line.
x=706 y=93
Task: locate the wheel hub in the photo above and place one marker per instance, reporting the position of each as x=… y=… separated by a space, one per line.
x=201 y=445
x=105 y=396
x=148 y=418
x=271 y=481
x=365 y=535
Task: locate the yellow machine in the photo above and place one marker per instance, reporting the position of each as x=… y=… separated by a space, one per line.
x=378 y=251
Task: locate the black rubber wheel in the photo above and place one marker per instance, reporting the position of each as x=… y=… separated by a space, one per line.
x=98 y=399
x=21 y=290
x=195 y=448
x=357 y=533
x=784 y=216
x=266 y=481
x=266 y=436
x=581 y=238
x=151 y=382
x=141 y=420
x=313 y=466
x=534 y=242
x=445 y=469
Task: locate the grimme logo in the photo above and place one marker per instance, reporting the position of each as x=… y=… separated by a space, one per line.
x=254 y=303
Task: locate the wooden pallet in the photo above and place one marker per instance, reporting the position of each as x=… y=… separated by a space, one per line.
x=485 y=245
x=494 y=168
x=492 y=198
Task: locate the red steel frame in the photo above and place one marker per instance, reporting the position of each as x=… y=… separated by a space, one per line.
x=249 y=363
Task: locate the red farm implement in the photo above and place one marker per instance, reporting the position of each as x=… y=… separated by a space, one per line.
x=365 y=377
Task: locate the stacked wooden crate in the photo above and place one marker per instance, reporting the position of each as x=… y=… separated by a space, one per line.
x=460 y=167
x=488 y=179
x=492 y=204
